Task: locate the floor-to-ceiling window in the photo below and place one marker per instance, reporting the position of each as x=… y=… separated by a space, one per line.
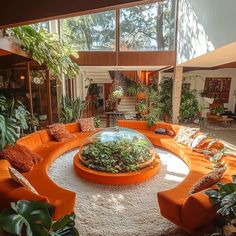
x=93 y=32
x=149 y=27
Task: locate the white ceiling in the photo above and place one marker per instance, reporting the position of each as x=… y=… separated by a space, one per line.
x=124 y=68
x=217 y=57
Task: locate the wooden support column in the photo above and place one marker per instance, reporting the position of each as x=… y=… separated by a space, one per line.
x=29 y=84
x=176 y=93
x=49 y=96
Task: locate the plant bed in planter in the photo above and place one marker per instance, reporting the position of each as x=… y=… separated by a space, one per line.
x=116 y=156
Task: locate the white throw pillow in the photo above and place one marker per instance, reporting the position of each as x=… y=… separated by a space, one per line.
x=185 y=135
x=198 y=140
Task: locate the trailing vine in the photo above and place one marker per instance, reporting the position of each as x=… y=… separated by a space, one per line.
x=46 y=48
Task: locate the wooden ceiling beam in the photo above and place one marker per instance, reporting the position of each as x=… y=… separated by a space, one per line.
x=12 y=48
x=15 y=12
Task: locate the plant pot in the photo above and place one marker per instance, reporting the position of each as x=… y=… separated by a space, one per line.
x=140 y=96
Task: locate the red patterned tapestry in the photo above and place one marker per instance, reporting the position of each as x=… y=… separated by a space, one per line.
x=218 y=88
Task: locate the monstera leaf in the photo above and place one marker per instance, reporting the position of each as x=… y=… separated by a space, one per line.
x=8 y=131
x=35 y=219
x=34 y=216
x=225 y=198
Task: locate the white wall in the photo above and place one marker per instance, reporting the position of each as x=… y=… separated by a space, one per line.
x=198 y=82
x=203 y=26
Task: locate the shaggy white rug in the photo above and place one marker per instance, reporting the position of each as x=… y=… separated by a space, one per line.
x=121 y=210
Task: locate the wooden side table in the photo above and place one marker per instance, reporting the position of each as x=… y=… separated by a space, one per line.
x=227 y=122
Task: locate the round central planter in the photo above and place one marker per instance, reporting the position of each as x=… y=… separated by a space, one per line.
x=116 y=156
x=116 y=178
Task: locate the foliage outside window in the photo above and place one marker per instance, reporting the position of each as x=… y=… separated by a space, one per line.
x=91 y=32
x=41 y=25
x=148 y=27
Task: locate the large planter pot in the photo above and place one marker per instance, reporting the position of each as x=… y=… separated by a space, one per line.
x=140 y=96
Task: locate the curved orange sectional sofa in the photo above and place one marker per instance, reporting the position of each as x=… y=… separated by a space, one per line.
x=190 y=212
x=62 y=200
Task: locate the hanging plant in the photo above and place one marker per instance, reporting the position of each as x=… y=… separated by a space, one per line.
x=46 y=48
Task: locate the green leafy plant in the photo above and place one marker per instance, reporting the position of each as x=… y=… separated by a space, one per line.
x=118 y=93
x=140 y=107
x=189 y=108
x=93 y=90
x=97 y=122
x=71 y=110
x=218 y=110
x=161 y=102
x=13 y=120
x=137 y=88
x=46 y=48
x=35 y=218
x=115 y=156
x=224 y=197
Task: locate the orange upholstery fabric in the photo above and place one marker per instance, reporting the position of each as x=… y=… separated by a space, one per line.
x=62 y=200
x=188 y=212
x=73 y=127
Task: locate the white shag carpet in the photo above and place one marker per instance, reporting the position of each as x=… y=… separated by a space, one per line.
x=121 y=210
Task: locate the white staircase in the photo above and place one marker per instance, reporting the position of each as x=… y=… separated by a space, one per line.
x=127 y=105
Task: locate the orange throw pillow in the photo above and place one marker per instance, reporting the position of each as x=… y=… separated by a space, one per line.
x=59 y=132
x=170 y=132
x=19 y=160
x=208 y=180
x=34 y=156
x=87 y=124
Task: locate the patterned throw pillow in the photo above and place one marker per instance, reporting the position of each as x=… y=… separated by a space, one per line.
x=198 y=140
x=18 y=159
x=59 y=132
x=185 y=135
x=87 y=124
x=19 y=178
x=208 y=180
x=34 y=156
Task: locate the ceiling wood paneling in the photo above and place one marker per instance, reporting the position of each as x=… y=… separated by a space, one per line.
x=126 y=58
x=18 y=12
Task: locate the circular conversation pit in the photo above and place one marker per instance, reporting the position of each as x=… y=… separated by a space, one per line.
x=116 y=156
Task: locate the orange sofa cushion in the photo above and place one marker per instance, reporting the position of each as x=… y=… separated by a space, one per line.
x=73 y=127
x=31 y=141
